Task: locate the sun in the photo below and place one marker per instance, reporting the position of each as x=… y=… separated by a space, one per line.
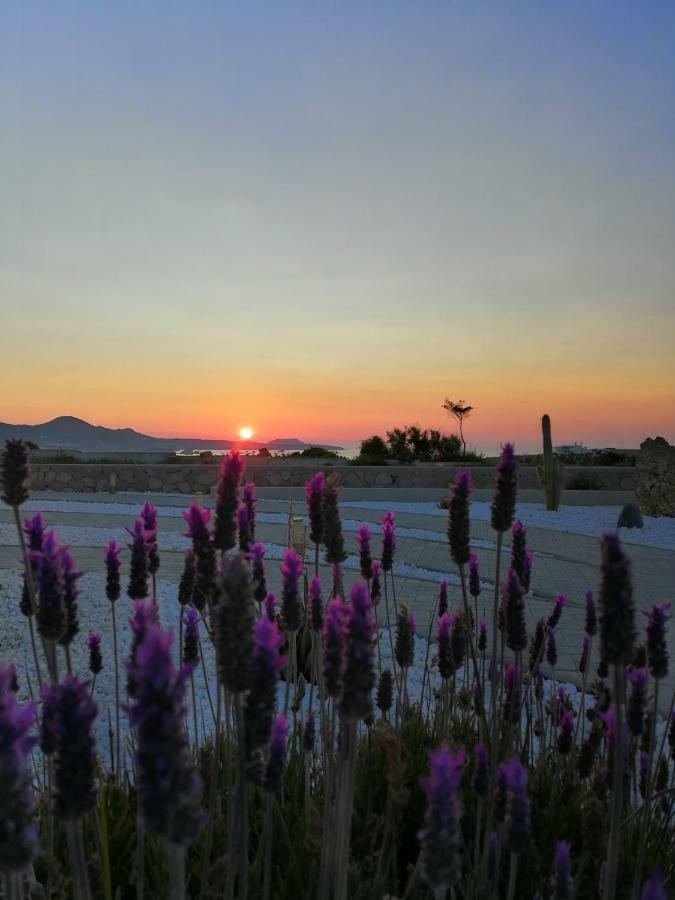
x=246 y=434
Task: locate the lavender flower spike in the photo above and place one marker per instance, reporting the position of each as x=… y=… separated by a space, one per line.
x=233 y=627
x=562 y=884
x=149 y=519
x=277 y=756
x=617 y=611
x=169 y=788
x=112 y=568
x=506 y=485
x=315 y=616
x=257 y=556
x=227 y=501
x=249 y=500
x=591 y=617
x=271 y=606
x=18 y=833
x=190 y=636
x=366 y=560
x=94 y=647
x=653 y=888
x=261 y=700
x=70 y=594
x=333 y=646
x=518 y=810
x=481 y=776
x=15 y=473
x=50 y=582
x=474 y=576
x=291 y=572
x=441 y=835
x=657 y=648
x=458 y=518
x=375 y=586
x=332 y=525
x=244 y=529
x=138 y=569
x=388 y=545
x=314 y=494
x=359 y=672
x=518 y=549
x=444 y=640
x=70 y=712
x=34 y=530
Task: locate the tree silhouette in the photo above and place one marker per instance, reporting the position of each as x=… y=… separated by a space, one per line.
x=459 y=411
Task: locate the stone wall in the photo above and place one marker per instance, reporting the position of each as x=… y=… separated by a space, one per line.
x=655 y=472
x=189 y=478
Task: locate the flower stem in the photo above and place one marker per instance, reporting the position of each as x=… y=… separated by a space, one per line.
x=617 y=790
x=176 y=856
x=78 y=860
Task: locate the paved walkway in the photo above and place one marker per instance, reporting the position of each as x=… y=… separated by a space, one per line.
x=563 y=563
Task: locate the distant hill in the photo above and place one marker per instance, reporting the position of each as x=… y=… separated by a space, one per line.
x=69 y=433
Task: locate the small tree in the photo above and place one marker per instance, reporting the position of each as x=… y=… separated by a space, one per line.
x=374 y=449
x=459 y=411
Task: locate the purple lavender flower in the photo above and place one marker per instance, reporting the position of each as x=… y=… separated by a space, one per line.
x=653 y=888
x=375 y=587
x=314 y=492
x=15 y=473
x=257 y=557
x=591 y=618
x=271 y=606
x=70 y=713
x=359 y=673
x=186 y=585
x=442 y=598
x=277 y=754
x=140 y=622
x=458 y=639
x=233 y=626
x=34 y=530
x=332 y=525
x=637 y=701
x=617 y=612
x=556 y=612
x=244 y=529
x=70 y=594
x=537 y=645
x=204 y=549
x=333 y=646
x=191 y=636
x=566 y=735
x=518 y=548
x=315 y=606
x=169 y=788
x=441 y=836
x=138 y=569
x=51 y=612
x=481 y=777
x=657 y=648
x=506 y=486
x=514 y=610
x=474 y=576
x=388 y=545
x=482 y=635
x=291 y=573
x=458 y=518
x=113 y=566
x=385 y=691
x=365 y=558
x=227 y=494
x=95 y=657
x=518 y=812
x=562 y=883
x=261 y=700
x=250 y=500
x=444 y=640
x=18 y=834
x=404 y=647
x=149 y=519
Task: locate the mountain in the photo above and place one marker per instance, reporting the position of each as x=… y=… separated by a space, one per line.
x=69 y=433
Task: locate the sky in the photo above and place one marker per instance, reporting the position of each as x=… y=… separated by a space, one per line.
x=321 y=219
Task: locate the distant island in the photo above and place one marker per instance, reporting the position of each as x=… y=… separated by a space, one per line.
x=70 y=433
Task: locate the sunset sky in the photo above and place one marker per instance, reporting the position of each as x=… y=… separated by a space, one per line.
x=320 y=219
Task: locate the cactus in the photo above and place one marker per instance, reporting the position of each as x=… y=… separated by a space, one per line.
x=550 y=474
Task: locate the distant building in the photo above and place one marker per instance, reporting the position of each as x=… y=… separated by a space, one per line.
x=575 y=449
